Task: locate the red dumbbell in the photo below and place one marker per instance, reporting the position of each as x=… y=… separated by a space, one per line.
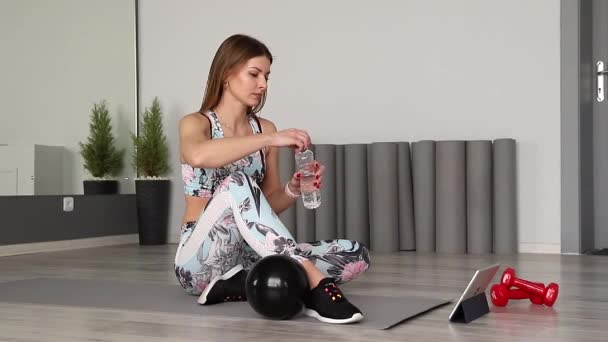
x=501 y=294
x=548 y=294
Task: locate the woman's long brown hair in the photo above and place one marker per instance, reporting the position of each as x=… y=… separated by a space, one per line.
x=232 y=54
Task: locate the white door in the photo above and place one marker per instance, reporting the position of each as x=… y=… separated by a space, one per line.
x=18 y=162
x=9 y=182
x=599 y=54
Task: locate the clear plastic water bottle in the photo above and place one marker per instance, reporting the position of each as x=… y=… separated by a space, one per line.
x=305 y=164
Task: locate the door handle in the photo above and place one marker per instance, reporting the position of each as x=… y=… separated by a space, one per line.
x=600 y=73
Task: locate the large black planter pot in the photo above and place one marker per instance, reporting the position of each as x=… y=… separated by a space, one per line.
x=100 y=187
x=152 y=199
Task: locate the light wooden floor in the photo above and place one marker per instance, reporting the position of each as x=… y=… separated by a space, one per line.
x=580 y=313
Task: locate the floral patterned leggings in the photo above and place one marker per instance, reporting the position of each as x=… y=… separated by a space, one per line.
x=238 y=226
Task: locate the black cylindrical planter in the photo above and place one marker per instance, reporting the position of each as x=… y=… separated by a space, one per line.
x=100 y=187
x=152 y=198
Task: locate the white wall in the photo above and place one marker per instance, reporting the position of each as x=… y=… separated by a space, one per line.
x=357 y=71
x=58 y=58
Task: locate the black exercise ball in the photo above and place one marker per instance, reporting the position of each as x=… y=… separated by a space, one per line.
x=275 y=287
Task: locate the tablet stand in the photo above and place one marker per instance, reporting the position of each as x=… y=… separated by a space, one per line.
x=471 y=309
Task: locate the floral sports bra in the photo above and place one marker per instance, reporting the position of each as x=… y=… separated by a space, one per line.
x=202 y=182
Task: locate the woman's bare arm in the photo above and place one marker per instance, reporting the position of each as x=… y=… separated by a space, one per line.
x=271 y=187
x=199 y=150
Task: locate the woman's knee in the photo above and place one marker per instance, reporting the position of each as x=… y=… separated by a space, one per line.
x=238 y=176
x=235 y=179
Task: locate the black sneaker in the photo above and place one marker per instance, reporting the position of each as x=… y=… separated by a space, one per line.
x=229 y=287
x=327 y=304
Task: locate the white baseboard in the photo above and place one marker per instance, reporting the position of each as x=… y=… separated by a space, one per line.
x=63 y=245
x=532 y=247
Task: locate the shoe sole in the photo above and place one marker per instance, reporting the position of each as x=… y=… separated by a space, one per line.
x=202 y=299
x=312 y=313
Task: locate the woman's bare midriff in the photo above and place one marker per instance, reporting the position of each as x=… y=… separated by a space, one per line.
x=194 y=208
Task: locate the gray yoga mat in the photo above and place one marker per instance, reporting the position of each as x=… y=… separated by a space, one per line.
x=380 y=312
x=325 y=215
x=407 y=237
x=340 y=209
x=450 y=197
x=356 y=215
x=479 y=197
x=505 y=197
x=286 y=171
x=384 y=203
x=423 y=175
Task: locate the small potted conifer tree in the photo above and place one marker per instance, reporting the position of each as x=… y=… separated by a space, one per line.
x=150 y=159
x=101 y=157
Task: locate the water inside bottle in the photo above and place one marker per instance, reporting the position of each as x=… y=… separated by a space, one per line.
x=311 y=196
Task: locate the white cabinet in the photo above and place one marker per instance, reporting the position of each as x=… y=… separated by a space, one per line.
x=31 y=170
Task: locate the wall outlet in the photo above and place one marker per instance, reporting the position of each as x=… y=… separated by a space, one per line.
x=68 y=203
